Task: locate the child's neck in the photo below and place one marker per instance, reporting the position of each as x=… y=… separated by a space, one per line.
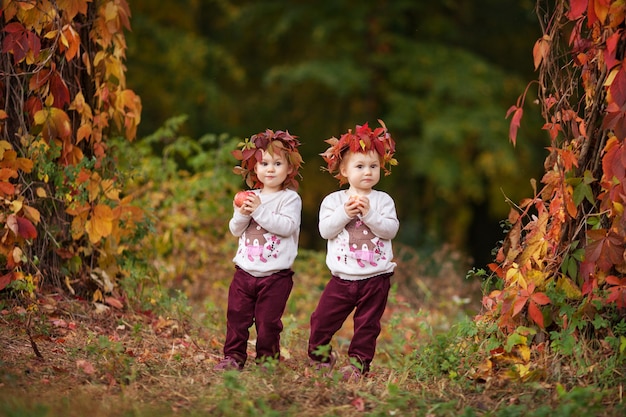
x=270 y=190
x=358 y=191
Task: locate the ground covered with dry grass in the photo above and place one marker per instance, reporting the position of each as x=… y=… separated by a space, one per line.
x=62 y=356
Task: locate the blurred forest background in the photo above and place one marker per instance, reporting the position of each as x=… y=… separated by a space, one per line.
x=441 y=75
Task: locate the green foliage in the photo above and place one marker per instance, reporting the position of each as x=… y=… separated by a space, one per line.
x=319 y=67
x=188 y=186
x=453 y=139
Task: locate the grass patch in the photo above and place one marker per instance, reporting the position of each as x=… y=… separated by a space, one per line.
x=160 y=362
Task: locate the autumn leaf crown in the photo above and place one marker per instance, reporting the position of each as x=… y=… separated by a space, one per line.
x=249 y=152
x=362 y=140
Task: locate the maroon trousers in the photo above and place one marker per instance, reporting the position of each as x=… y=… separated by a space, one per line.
x=260 y=301
x=338 y=300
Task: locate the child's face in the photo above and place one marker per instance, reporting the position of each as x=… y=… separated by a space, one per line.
x=272 y=170
x=361 y=169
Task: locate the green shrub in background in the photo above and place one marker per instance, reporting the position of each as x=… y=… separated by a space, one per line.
x=186 y=186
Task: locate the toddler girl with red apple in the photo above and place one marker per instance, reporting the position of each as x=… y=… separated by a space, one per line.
x=359 y=223
x=266 y=221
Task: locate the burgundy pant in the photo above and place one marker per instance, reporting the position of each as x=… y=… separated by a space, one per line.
x=260 y=301
x=338 y=300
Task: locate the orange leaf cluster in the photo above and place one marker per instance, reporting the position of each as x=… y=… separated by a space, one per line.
x=570 y=236
x=17 y=218
x=72 y=100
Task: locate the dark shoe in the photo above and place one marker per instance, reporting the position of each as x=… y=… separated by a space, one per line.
x=351 y=373
x=227 y=364
x=325 y=368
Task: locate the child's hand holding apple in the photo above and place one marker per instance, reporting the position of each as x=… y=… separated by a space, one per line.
x=246 y=201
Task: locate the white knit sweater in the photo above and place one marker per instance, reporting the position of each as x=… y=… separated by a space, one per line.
x=268 y=239
x=359 y=248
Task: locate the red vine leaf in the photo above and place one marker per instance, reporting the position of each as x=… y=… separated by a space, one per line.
x=576 y=9
x=20 y=41
x=611 y=49
x=617 y=291
x=26 y=228
x=612 y=162
x=59 y=90
x=535 y=314
x=6 y=279
x=534 y=300
x=606 y=248
x=515 y=122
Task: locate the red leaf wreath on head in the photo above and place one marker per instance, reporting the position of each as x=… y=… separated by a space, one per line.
x=250 y=153
x=362 y=140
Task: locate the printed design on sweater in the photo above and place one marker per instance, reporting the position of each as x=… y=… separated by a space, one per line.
x=256 y=241
x=364 y=246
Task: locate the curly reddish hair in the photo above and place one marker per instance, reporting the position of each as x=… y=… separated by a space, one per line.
x=362 y=140
x=250 y=152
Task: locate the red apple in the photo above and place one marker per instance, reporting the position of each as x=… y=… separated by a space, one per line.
x=241 y=196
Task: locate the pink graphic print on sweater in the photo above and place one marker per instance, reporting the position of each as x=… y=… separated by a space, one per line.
x=363 y=243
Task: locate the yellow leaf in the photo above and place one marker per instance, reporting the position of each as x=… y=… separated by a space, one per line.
x=17 y=255
x=93 y=188
x=515 y=277
x=609 y=79
x=523 y=352
x=32 y=214
x=537 y=277
x=97 y=296
x=78 y=227
x=100 y=55
x=51 y=35
x=536 y=245
x=110 y=192
x=569 y=288
x=522 y=370
x=511 y=273
x=100 y=224
x=40 y=117
x=68 y=284
x=41 y=192
x=16 y=206
x=64 y=41
x=110 y=12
